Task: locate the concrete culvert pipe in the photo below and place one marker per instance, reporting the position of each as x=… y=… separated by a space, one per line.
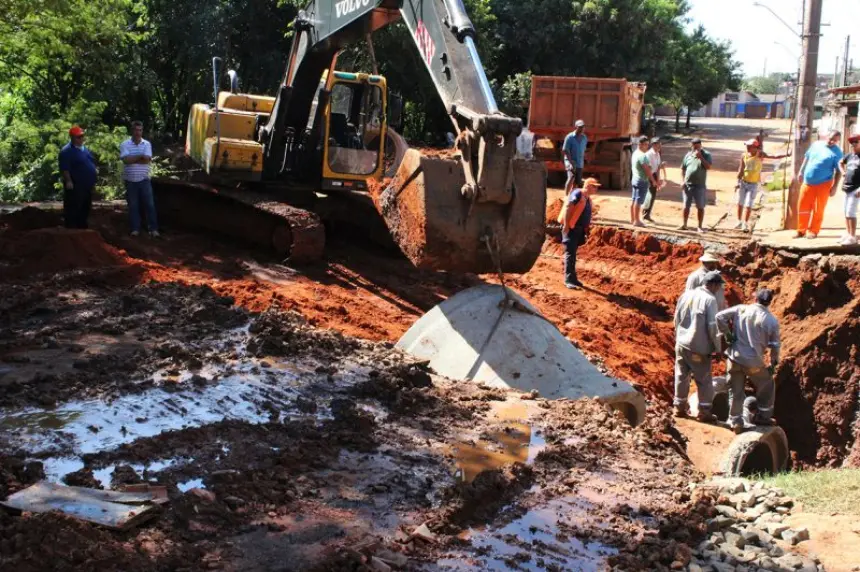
x=763 y=450
x=493 y=336
x=715 y=449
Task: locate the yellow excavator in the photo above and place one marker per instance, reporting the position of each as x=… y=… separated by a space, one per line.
x=270 y=167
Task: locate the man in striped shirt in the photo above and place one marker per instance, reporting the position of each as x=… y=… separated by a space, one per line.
x=136 y=155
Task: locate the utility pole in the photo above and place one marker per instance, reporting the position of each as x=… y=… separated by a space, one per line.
x=845 y=60
x=835 y=82
x=805 y=103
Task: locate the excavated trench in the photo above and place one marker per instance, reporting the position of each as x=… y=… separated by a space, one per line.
x=625 y=317
x=622 y=320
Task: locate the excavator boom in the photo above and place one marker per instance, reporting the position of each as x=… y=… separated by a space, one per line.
x=477 y=213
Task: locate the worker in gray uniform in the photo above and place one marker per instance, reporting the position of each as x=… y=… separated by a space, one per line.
x=710 y=263
x=696 y=342
x=751 y=331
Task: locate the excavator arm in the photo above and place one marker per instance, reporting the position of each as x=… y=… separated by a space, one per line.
x=491 y=208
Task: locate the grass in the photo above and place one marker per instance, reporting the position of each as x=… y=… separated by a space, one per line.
x=822 y=492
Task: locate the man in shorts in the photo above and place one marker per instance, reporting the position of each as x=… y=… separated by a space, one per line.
x=694 y=170
x=851 y=186
x=643 y=178
x=749 y=182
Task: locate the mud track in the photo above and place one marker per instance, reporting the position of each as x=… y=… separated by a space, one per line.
x=291 y=433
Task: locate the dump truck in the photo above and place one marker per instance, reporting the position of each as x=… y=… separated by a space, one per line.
x=612 y=111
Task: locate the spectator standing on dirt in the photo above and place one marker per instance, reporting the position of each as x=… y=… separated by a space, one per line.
x=694 y=170
x=78 y=169
x=573 y=150
x=655 y=159
x=136 y=155
x=643 y=178
x=749 y=182
x=576 y=221
x=851 y=186
x=751 y=330
x=696 y=341
x=819 y=175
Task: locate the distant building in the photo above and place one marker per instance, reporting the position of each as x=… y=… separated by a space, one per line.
x=746 y=104
x=840 y=113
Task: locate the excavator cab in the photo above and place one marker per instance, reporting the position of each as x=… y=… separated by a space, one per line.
x=355 y=125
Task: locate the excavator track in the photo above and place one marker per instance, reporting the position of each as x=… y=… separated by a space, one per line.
x=245 y=215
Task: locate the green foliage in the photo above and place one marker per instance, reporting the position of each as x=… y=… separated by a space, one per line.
x=760 y=85
x=102 y=63
x=29 y=153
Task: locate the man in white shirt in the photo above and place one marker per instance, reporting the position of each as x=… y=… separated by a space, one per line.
x=136 y=155
x=751 y=331
x=655 y=157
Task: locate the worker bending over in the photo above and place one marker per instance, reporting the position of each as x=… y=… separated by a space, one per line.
x=696 y=341
x=751 y=330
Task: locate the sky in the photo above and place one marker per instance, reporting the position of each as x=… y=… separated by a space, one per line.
x=753 y=30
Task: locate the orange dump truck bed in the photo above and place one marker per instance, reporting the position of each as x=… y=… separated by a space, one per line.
x=610 y=107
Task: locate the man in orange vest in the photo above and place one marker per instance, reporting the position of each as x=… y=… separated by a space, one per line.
x=575 y=222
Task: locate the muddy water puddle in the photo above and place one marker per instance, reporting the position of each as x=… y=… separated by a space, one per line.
x=251 y=390
x=514 y=440
x=540 y=539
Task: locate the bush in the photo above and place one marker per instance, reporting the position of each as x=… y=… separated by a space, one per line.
x=29 y=151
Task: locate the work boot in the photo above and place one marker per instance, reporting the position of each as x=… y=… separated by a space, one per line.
x=706 y=417
x=135 y=233
x=681 y=411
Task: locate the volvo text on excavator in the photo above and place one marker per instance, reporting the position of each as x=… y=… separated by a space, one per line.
x=268 y=165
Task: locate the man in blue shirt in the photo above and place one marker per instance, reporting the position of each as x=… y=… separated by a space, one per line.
x=78 y=169
x=819 y=177
x=574 y=155
x=575 y=221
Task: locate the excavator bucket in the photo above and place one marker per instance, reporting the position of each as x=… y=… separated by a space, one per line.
x=490 y=335
x=438 y=229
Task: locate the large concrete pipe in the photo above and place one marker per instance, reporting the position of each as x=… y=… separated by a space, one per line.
x=489 y=334
x=716 y=450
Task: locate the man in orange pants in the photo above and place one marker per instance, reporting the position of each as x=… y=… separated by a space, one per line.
x=819 y=174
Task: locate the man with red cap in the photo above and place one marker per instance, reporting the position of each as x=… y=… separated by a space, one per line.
x=78 y=169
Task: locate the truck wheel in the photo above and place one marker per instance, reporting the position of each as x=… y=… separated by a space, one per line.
x=625 y=169
x=556 y=178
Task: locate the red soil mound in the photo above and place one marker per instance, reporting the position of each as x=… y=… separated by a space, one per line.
x=50 y=250
x=29 y=218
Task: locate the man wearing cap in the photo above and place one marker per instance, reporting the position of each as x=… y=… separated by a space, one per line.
x=574 y=155
x=710 y=263
x=750 y=331
x=576 y=220
x=655 y=159
x=78 y=169
x=643 y=178
x=694 y=169
x=136 y=155
x=696 y=342
x=819 y=174
x=851 y=187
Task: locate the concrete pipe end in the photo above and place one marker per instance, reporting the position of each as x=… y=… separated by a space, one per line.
x=763 y=450
x=631 y=404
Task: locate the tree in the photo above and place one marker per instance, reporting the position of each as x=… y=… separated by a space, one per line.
x=701 y=69
x=760 y=85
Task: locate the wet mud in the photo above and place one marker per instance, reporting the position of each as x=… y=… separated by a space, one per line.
x=292 y=436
